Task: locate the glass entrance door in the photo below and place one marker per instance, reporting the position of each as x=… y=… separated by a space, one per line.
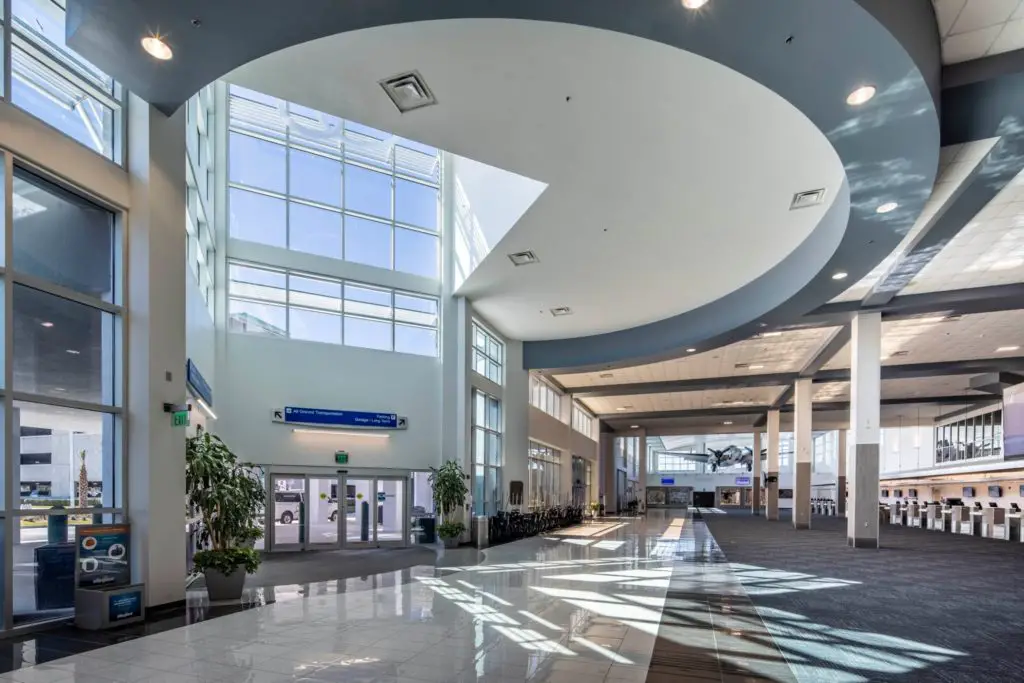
x=288 y=495
x=377 y=511
x=323 y=513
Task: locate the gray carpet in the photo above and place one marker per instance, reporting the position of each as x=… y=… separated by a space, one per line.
x=927 y=606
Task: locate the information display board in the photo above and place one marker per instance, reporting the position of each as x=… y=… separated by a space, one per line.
x=103 y=555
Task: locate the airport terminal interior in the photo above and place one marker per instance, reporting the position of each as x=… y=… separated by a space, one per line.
x=519 y=341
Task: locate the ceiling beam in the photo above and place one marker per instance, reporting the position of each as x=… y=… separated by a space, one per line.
x=994 y=172
x=684 y=385
x=821 y=406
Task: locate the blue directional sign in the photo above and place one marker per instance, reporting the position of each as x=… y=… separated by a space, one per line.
x=340 y=419
x=200 y=387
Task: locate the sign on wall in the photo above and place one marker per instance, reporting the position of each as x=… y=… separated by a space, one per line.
x=743 y=481
x=668 y=481
x=197 y=383
x=338 y=419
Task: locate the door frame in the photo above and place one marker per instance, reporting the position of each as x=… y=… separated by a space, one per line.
x=405 y=512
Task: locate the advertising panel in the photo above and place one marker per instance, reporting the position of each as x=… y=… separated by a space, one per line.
x=126 y=605
x=103 y=555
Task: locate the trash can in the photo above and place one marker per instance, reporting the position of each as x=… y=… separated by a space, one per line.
x=57 y=529
x=427 y=531
x=482 y=527
x=55 y=576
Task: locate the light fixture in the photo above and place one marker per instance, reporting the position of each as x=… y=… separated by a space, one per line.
x=839 y=275
x=369 y=435
x=860 y=95
x=691 y=350
x=755 y=367
x=694 y=4
x=765 y=335
x=887 y=207
x=1007 y=349
x=634 y=426
x=73 y=352
x=727 y=422
x=46 y=323
x=206 y=409
x=157 y=48
x=523 y=258
x=61 y=389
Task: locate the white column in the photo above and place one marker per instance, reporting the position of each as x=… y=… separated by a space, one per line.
x=841 y=474
x=641 y=493
x=755 y=479
x=865 y=416
x=771 y=499
x=156 y=332
x=803 y=449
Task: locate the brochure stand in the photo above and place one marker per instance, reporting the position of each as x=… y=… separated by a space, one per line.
x=104 y=595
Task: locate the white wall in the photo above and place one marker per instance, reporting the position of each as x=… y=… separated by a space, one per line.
x=259 y=374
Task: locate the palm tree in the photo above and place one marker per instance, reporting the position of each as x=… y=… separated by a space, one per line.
x=83 y=483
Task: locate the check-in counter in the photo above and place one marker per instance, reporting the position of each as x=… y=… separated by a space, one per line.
x=977 y=521
x=1011 y=530
x=895 y=513
x=956 y=519
x=884 y=514
x=933 y=517
x=992 y=522
x=914 y=517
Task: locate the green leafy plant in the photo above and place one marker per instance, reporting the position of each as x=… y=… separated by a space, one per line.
x=227 y=561
x=228 y=496
x=451 y=529
x=448 y=484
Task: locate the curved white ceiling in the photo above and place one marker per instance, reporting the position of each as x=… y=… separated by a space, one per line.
x=669 y=176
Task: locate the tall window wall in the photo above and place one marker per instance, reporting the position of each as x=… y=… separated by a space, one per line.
x=200 y=142
x=977 y=436
x=583 y=421
x=488 y=354
x=52 y=82
x=307 y=181
x=545 y=475
x=545 y=397
x=282 y=303
x=63 y=406
x=486 y=453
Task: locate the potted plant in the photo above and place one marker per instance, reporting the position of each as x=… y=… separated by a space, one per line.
x=229 y=499
x=448 y=485
x=594 y=507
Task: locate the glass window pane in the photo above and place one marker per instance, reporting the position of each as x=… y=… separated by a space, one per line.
x=493 y=449
x=315 y=178
x=416 y=204
x=314 y=292
x=256 y=112
x=62 y=238
x=421 y=341
x=314 y=231
x=367 y=242
x=257 y=283
x=255 y=318
x=367 y=301
x=420 y=161
x=45 y=21
x=315 y=129
x=416 y=309
x=479 y=446
x=479 y=504
x=257 y=218
x=493 y=414
x=416 y=253
x=367 y=334
x=479 y=408
x=367 y=191
x=493 y=489
x=257 y=163
x=315 y=326
x=62 y=348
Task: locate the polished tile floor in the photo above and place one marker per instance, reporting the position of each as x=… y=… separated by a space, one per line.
x=618 y=601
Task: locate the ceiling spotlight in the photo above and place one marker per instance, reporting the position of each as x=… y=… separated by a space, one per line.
x=694 y=4
x=765 y=335
x=727 y=422
x=157 y=48
x=46 y=323
x=691 y=350
x=74 y=352
x=839 y=275
x=1007 y=349
x=860 y=95
x=755 y=367
x=887 y=207
x=621 y=409
x=634 y=426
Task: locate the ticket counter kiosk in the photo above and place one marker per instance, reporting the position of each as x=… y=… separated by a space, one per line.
x=884 y=515
x=977 y=520
x=993 y=521
x=895 y=513
x=1011 y=531
x=932 y=517
x=917 y=514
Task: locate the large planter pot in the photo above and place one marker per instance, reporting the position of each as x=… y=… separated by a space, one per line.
x=452 y=542
x=220 y=586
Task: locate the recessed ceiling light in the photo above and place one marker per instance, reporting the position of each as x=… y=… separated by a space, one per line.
x=523 y=258
x=59 y=389
x=694 y=4
x=840 y=275
x=727 y=422
x=46 y=323
x=860 y=95
x=560 y=311
x=691 y=350
x=887 y=207
x=157 y=48
x=1006 y=349
x=634 y=426
x=771 y=334
x=755 y=367
x=74 y=352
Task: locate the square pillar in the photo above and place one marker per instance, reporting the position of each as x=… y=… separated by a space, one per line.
x=641 y=494
x=841 y=474
x=755 y=479
x=803 y=448
x=865 y=432
x=771 y=491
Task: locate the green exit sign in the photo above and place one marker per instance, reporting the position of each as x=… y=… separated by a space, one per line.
x=179 y=418
x=341 y=457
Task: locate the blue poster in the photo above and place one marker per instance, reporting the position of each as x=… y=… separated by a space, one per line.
x=668 y=481
x=743 y=481
x=123 y=606
x=338 y=418
x=103 y=555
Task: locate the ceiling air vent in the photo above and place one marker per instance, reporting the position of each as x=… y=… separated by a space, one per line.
x=606 y=375
x=801 y=200
x=408 y=91
x=523 y=258
x=742 y=366
x=899 y=354
x=560 y=311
